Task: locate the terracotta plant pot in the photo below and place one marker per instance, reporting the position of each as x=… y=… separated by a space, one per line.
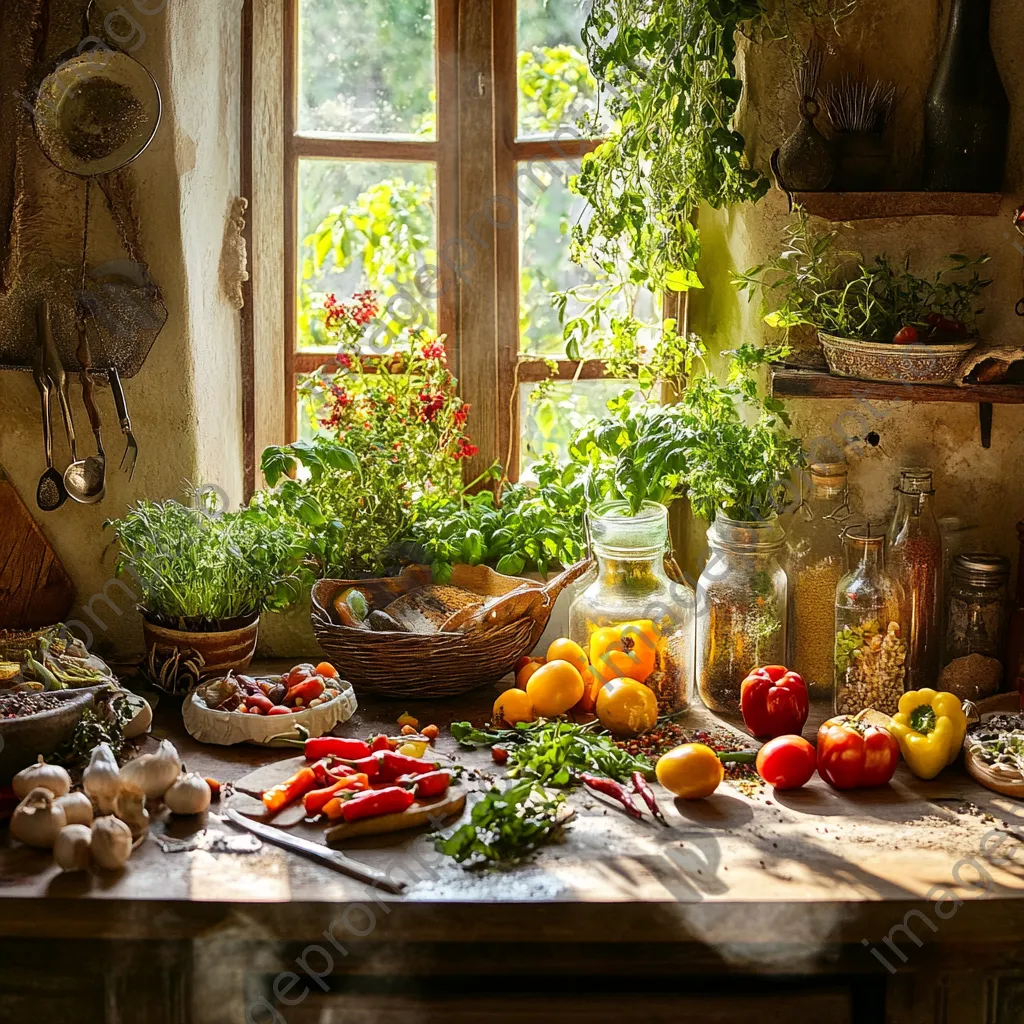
x=882 y=361
x=221 y=651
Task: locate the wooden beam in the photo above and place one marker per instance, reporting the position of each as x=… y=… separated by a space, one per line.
x=844 y=206
x=533 y=370
x=338 y=147
x=291 y=203
x=553 y=148
x=248 y=341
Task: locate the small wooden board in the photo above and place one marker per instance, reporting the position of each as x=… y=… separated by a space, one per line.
x=270 y=775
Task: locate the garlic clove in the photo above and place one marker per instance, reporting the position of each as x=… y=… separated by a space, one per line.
x=190 y=794
x=37 y=820
x=154 y=773
x=130 y=807
x=71 y=850
x=101 y=780
x=111 y=843
x=77 y=808
x=49 y=776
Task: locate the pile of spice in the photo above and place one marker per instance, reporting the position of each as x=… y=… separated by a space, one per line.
x=972 y=677
x=918 y=566
x=19 y=705
x=813 y=624
x=870 y=667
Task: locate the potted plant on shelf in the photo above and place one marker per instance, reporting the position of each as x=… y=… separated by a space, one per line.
x=875 y=320
x=204 y=577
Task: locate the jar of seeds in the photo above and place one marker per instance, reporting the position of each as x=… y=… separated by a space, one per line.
x=741 y=608
x=870 y=649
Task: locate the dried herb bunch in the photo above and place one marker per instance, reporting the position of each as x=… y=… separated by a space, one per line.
x=855 y=104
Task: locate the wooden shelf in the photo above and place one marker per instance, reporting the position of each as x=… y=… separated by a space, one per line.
x=789 y=383
x=844 y=206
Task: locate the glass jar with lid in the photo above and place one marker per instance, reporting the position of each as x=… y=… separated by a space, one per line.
x=975 y=626
x=633 y=620
x=870 y=650
x=814 y=565
x=741 y=608
x=914 y=555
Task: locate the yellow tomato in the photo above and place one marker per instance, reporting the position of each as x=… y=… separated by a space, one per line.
x=567 y=650
x=692 y=771
x=554 y=688
x=626 y=707
x=513 y=706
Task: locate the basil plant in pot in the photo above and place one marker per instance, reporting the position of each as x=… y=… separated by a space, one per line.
x=875 y=320
x=204 y=577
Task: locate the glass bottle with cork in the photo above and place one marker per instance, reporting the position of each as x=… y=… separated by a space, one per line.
x=633 y=608
x=915 y=559
x=814 y=565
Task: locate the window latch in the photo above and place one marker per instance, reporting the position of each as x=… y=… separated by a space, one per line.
x=481 y=83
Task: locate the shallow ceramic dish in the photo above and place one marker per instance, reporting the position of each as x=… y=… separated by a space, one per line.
x=904 y=364
x=23 y=739
x=228 y=728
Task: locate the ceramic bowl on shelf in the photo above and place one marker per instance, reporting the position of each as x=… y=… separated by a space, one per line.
x=885 y=361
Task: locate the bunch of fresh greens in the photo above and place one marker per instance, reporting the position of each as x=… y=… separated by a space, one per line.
x=198 y=568
x=555 y=753
x=706 y=445
x=525 y=528
x=104 y=722
x=507 y=825
x=814 y=282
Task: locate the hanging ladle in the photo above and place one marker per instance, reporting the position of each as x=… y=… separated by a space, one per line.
x=51 y=493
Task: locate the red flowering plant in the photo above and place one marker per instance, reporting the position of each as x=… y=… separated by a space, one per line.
x=401 y=425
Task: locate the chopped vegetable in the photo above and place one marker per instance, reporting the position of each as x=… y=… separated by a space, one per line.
x=407 y=719
x=429 y=785
x=290 y=790
x=414 y=748
x=375 y=803
x=316 y=800
x=431 y=732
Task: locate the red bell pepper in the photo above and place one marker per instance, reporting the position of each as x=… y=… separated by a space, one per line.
x=377 y=802
x=428 y=785
x=773 y=702
x=290 y=790
x=380 y=743
x=854 y=754
x=304 y=692
x=315 y=801
x=394 y=765
x=336 y=746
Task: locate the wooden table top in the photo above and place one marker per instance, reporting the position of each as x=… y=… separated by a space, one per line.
x=800 y=867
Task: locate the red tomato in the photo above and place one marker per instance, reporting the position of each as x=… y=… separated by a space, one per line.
x=906 y=335
x=786 y=762
x=853 y=754
x=298 y=674
x=773 y=702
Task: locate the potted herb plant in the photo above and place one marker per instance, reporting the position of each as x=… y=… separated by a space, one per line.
x=203 y=577
x=875 y=320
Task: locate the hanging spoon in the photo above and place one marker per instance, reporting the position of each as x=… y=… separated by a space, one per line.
x=51 y=493
x=86 y=480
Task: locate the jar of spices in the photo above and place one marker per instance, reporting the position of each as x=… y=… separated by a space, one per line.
x=915 y=559
x=975 y=626
x=633 y=608
x=870 y=651
x=741 y=608
x=814 y=566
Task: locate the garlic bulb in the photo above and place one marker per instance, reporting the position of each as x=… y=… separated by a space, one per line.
x=111 y=843
x=77 y=808
x=37 y=819
x=49 y=776
x=130 y=807
x=71 y=850
x=154 y=773
x=190 y=794
x=101 y=779
x=143 y=717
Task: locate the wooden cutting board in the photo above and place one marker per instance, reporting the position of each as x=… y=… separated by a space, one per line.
x=35 y=588
x=246 y=801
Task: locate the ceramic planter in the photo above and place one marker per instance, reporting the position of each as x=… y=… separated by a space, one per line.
x=221 y=651
x=884 y=361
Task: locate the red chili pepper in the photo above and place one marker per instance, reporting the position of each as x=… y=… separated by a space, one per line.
x=322 y=771
x=773 y=702
x=393 y=800
x=394 y=765
x=336 y=746
x=609 y=787
x=380 y=743
x=307 y=690
x=429 y=785
x=853 y=754
x=289 y=791
x=315 y=801
x=644 y=791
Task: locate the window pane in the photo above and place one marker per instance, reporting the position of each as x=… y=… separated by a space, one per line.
x=548 y=210
x=551 y=413
x=556 y=88
x=366 y=225
x=367 y=69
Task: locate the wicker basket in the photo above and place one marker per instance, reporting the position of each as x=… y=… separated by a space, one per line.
x=433 y=665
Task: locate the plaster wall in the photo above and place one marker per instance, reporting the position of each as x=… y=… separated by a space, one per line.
x=898 y=39
x=184 y=403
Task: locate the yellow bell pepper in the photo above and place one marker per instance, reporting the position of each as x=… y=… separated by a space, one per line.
x=930 y=728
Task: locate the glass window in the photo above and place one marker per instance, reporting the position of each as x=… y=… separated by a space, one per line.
x=367 y=69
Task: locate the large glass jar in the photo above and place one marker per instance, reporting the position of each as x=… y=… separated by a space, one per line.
x=741 y=608
x=975 y=626
x=633 y=620
x=915 y=559
x=814 y=566
x=870 y=651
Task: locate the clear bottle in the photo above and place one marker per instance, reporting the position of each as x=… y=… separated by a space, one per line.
x=870 y=651
x=632 y=588
x=741 y=608
x=814 y=566
x=914 y=556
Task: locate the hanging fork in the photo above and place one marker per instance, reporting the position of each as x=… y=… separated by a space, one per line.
x=131 y=452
